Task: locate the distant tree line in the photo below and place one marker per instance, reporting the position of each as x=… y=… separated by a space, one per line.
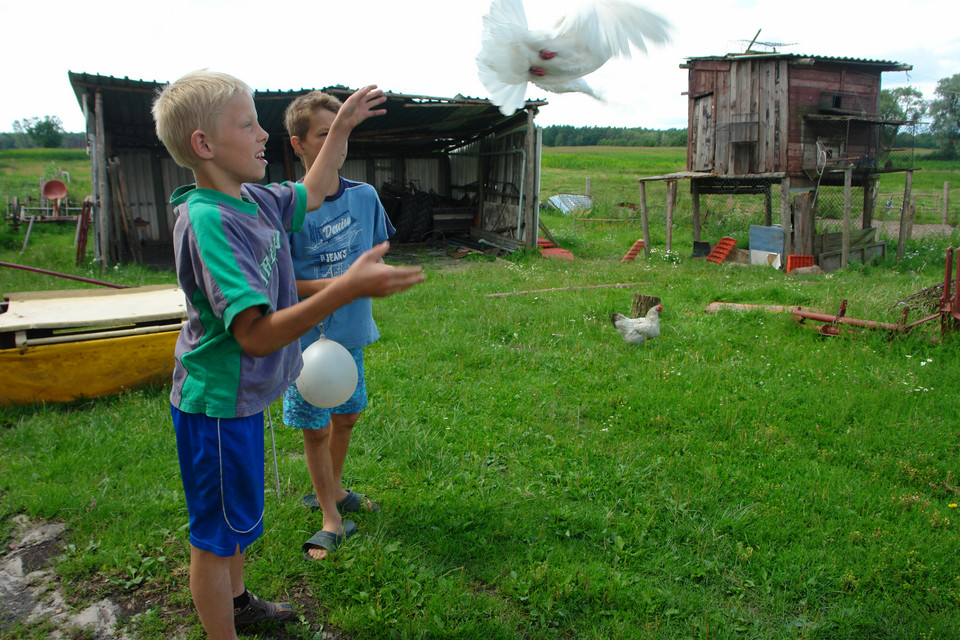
x=41 y=133
x=570 y=136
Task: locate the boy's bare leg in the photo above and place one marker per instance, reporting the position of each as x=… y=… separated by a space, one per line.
x=341 y=431
x=317 y=454
x=214 y=583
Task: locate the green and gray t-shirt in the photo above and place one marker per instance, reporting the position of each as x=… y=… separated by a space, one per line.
x=232 y=255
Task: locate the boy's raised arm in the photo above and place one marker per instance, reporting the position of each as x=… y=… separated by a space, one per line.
x=357 y=108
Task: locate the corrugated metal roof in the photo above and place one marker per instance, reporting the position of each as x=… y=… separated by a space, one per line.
x=413 y=124
x=890 y=65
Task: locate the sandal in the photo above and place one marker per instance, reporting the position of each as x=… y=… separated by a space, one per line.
x=327 y=540
x=260 y=610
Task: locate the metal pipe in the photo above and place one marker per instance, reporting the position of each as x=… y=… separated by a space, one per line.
x=866 y=324
x=64 y=275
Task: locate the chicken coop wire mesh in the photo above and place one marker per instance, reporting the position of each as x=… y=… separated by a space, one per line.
x=733 y=212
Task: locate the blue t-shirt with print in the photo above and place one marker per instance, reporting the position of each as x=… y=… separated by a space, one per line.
x=351 y=221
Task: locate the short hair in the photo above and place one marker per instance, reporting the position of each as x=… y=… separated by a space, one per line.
x=192 y=103
x=300 y=111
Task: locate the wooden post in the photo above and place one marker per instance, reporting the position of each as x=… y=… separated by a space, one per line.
x=530 y=214
x=901 y=238
x=946 y=200
x=695 y=196
x=869 y=201
x=671 y=201
x=847 y=189
x=767 y=206
x=102 y=195
x=804 y=241
x=587 y=187
x=644 y=218
x=785 y=213
x=911 y=214
x=642 y=303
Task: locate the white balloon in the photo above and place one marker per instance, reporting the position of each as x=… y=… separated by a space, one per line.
x=329 y=374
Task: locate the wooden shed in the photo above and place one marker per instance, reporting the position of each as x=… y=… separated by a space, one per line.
x=805 y=122
x=448 y=167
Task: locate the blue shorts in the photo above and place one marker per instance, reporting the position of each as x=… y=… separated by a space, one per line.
x=299 y=413
x=221 y=463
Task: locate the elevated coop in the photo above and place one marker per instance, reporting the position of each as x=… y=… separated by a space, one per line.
x=758 y=121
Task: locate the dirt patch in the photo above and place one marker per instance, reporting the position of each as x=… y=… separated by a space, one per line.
x=30 y=593
x=31 y=596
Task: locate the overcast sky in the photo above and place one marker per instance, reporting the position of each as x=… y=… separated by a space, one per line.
x=427 y=47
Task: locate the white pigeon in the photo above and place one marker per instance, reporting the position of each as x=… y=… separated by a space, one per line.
x=556 y=60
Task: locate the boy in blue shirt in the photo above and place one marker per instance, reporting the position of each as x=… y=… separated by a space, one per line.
x=351 y=221
x=238 y=350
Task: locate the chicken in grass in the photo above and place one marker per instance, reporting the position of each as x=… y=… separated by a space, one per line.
x=638 y=330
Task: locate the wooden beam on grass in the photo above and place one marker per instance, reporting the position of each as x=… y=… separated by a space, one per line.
x=618 y=285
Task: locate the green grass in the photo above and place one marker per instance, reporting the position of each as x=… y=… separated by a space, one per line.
x=21 y=171
x=738 y=477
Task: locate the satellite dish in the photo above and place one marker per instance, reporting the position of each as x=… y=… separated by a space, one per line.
x=55 y=190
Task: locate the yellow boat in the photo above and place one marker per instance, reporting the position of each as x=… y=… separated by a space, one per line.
x=57 y=346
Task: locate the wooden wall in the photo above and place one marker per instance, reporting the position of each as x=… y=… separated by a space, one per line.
x=736 y=115
x=807 y=86
x=746 y=115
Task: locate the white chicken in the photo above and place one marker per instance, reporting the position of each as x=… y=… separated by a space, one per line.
x=638 y=330
x=556 y=60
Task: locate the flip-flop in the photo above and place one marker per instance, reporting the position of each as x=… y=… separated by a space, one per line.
x=327 y=540
x=353 y=503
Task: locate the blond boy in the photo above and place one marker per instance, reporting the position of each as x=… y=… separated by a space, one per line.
x=238 y=351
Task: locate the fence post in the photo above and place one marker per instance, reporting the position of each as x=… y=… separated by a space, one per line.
x=847 y=197
x=903 y=214
x=695 y=196
x=946 y=201
x=785 y=214
x=671 y=202
x=644 y=218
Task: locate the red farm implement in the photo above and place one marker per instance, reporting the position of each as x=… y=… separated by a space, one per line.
x=948 y=312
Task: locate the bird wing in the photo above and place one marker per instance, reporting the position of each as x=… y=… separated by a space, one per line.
x=627 y=327
x=504 y=61
x=580 y=44
x=609 y=27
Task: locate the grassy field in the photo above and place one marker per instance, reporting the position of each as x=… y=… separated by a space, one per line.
x=21 y=171
x=738 y=477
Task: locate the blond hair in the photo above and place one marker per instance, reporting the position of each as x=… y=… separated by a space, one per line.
x=300 y=111
x=192 y=103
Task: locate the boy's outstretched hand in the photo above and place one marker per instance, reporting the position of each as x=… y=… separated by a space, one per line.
x=361 y=105
x=368 y=277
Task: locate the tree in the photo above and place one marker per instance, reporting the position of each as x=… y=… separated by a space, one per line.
x=46 y=133
x=945 y=113
x=903 y=103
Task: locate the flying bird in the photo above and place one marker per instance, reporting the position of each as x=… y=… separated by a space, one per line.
x=638 y=330
x=556 y=60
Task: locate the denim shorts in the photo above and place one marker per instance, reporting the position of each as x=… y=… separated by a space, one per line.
x=299 y=413
x=221 y=464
